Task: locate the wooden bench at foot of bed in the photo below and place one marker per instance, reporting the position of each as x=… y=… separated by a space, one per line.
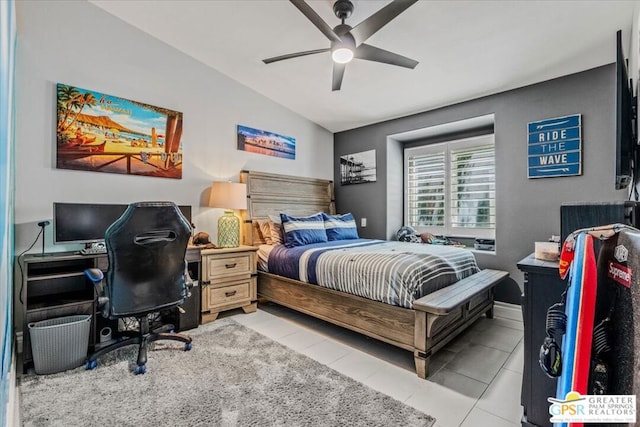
x=435 y=319
x=449 y=311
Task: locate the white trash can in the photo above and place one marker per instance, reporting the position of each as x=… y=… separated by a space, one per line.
x=59 y=344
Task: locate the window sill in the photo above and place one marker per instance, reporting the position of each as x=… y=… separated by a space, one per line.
x=480 y=251
x=469 y=248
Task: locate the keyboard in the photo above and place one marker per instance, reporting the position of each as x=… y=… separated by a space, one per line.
x=95 y=250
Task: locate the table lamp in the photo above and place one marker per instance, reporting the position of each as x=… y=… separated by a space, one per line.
x=228 y=196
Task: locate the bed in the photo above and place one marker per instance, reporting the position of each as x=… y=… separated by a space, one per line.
x=421 y=322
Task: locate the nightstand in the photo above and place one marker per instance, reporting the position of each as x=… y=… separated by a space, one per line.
x=228 y=281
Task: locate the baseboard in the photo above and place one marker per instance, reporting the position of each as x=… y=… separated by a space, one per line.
x=507 y=310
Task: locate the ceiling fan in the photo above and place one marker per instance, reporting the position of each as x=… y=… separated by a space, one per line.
x=348 y=42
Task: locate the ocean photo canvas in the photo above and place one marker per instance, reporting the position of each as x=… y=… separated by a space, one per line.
x=267 y=143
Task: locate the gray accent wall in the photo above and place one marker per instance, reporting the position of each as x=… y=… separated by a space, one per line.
x=528 y=210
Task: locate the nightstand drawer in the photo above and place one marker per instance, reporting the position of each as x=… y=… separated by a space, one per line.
x=229 y=294
x=228 y=265
x=214 y=297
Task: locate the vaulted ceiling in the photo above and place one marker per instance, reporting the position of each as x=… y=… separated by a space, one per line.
x=465 y=49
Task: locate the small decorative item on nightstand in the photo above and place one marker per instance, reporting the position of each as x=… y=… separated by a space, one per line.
x=547 y=251
x=228 y=195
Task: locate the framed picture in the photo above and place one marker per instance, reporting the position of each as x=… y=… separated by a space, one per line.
x=267 y=143
x=358 y=168
x=554 y=147
x=104 y=133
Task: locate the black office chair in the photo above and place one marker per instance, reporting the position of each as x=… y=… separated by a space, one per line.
x=147 y=275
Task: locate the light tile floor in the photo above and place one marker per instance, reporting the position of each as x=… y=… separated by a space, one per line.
x=474 y=381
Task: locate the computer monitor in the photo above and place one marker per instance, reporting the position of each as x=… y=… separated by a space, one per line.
x=87 y=222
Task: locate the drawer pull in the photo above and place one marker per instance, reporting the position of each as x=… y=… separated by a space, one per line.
x=230 y=265
x=230 y=294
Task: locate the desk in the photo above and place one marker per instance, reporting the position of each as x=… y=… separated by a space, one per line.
x=542 y=288
x=54 y=285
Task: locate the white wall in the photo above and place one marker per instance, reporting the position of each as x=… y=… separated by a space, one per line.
x=77 y=43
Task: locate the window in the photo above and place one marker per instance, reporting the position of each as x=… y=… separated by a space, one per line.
x=450 y=187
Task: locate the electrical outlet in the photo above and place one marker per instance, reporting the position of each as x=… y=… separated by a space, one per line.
x=363 y=222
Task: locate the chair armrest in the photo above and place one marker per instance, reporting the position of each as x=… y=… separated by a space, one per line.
x=188 y=280
x=94 y=274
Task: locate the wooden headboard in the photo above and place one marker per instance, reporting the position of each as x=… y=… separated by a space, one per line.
x=270 y=194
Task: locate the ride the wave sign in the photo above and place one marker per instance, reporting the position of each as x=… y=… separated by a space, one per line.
x=554 y=147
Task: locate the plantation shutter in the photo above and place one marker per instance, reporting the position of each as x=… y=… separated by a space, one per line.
x=426 y=198
x=473 y=188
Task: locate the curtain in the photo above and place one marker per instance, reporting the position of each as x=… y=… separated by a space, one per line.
x=7 y=71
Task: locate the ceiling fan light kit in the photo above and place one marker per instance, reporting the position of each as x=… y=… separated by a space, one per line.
x=342 y=55
x=347 y=42
x=344 y=50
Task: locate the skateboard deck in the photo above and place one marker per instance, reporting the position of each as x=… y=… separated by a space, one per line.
x=580 y=309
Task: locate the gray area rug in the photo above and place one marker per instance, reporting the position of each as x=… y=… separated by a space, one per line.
x=233 y=376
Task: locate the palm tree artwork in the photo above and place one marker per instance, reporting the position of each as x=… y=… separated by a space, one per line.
x=105 y=133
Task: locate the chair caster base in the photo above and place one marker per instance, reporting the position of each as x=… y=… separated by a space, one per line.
x=188 y=346
x=90 y=365
x=140 y=369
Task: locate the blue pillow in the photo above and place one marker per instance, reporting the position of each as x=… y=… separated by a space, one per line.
x=300 y=231
x=340 y=227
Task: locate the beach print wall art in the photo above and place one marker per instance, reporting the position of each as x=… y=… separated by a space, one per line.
x=267 y=143
x=104 y=133
x=358 y=168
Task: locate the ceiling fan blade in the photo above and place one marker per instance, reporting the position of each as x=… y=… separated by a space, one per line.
x=295 y=55
x=338 y=73
x=372 y=53
x=315 y=19
x=372 y=24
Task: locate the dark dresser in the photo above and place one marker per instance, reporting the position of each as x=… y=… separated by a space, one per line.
x=542 y=288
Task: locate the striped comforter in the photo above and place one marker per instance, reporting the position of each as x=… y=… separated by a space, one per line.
x=396 y=273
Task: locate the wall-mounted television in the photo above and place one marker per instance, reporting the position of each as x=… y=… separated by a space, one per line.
x=87 y=222
x=625 y=121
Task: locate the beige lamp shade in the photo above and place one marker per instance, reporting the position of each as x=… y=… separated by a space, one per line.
x=228 y=195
